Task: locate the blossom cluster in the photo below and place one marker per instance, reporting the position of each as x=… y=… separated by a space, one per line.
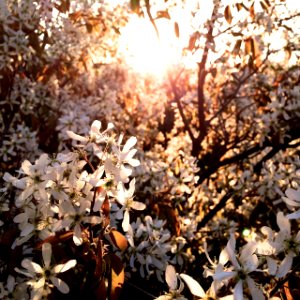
x=67 y=194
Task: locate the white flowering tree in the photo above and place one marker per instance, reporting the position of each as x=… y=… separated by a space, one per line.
x=117 y=184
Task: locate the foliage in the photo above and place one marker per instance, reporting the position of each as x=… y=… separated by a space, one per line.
x=112 y=181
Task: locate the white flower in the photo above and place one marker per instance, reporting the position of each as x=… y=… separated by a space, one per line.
x=74 y=216
x=126 y=154
x=241 y=267
x=34 y=183
x=285 y=242
x=292 y=199
x=125 y=198
x=42 y=277
x=95 y=136
x=172 y=280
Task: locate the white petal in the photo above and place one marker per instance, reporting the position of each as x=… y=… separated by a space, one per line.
x=129 y=155
x=10 y=283
x=134 y=162
x=272 y=266
x=65 y=267
x=231 y=251
x=76 y=137
x=290 y=202
x=285 y=265
x=31 y=266
x=255 y=292
x=250 y=263
x=293 y=194
x=110 y=126
x=131 y=187
x=283 y=222
x=96 y=126
x=294 y=215
x=238 y=291
x=171 y=277
x=193 y=285
x=92 y=219
x=77 y=235
x=129 y=144
x=40 y=283
x=223 y=257
x=248 y=250
x=165 y=297
x=61 y=285
x=125 y=223
x=29 y=228
x=22 y=217
x=26 y=167
x=47 y=253
x=37 y=294
x=27 y=274
x=223 y=275
x=138 y=205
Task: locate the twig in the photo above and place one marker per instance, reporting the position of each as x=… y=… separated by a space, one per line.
x=141 y=290
x=281 y=282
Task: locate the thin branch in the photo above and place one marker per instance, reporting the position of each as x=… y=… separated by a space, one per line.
x=141 y=290
x=181 y=112
x=200 y=88
x=281 y=282
x=148 y=9
x=221 y=204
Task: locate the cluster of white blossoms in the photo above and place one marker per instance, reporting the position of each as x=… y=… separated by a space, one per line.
x=18 y=142
x=65 y=193
x=238 y=270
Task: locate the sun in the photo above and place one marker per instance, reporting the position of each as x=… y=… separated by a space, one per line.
x=149 y=53
x=146 y=52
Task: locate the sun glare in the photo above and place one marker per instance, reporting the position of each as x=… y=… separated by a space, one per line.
x=149 y=54
x=144 y=51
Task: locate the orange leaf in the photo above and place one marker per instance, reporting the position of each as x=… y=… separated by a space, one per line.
x=119 y=240
x=117 y=276
x=176 y=29
x=228 y=14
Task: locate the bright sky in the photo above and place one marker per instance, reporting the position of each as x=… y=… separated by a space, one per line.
x=148 y=54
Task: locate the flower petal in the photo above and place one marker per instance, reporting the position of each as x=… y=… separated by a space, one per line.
x=255 y=292
x=61 y=285
x=138 y=205
x=31 y=266
x=294 y=215
x=171 y=277
x=238 y=291
x=293 y=194
x=125 y=223
x=77 y=235
x=65 y=267
x=285 y=265
x=283 y=223
x=129 y=144
x=47 y=252
x=195 y=288
x=39 y=284
x=76 y=137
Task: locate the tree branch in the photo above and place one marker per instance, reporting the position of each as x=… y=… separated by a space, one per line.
x=181 y=112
